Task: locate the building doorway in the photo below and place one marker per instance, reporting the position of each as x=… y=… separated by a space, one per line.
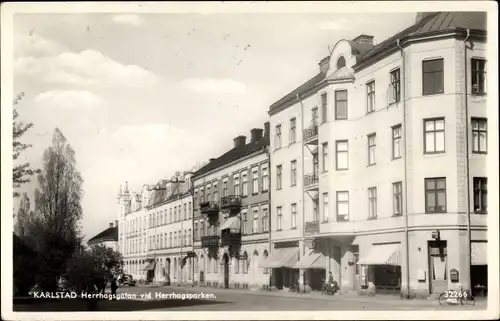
x=438 y=274
x=225 y=259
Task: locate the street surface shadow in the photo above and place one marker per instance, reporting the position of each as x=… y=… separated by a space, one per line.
x=107 y=305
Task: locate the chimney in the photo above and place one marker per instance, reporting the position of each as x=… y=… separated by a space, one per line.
x=239 y=141
x=324 y=64
x=364 y=39
x=256 y=135
x=111 y=225
x=116 y=223
x=266 y=129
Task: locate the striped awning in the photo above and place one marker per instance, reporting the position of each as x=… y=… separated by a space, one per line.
x=285 y=257
x=232 y=223
x=478 y=252
x=312 y=260
x=381 y=254
x=148 y=266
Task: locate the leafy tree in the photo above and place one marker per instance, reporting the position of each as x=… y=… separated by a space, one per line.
x=54 y=231
x=21 y=172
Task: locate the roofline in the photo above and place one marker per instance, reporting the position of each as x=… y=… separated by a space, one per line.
x=167 y=201
x=253 y=154
x=102 y=239
x=459 y=33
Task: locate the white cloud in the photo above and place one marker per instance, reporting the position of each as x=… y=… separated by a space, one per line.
x=217 y=86
x=70 y=99
x=88 y=67
x=147 y=134
x=338 y=24
x=130 y=19
x=33 y=45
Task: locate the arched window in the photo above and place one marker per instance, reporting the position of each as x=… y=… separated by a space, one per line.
x=216 y=265
x=244 y=260
x=202 y=263
x=265 y=255
x=236 y=265
x=340 y=62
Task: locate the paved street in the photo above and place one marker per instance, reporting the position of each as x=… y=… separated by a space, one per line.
x=239 y=300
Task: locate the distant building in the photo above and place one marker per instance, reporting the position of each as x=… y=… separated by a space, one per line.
x=108 y=237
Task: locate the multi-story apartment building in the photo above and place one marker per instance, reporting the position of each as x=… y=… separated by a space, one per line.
x=155 y=229
x=108 y=237
x=379 y=163
x=231 y=217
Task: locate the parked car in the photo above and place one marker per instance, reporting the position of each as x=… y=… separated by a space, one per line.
x=126 y=279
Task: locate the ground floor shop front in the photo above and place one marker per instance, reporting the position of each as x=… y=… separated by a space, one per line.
x=376 y=263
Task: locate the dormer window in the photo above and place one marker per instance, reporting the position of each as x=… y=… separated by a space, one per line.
x=340 y=62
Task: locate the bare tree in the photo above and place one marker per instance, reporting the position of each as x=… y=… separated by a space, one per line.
x=54 y=231
x=21 y=172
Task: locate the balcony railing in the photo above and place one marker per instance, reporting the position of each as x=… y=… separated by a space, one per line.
x=209 y=208
x=311 y=180
x=210 y=241
x=227 y=239
x=230 y=202
x=310 y=133
x=312 y=227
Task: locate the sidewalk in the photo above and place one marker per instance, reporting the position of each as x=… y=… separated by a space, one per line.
x=390 y=300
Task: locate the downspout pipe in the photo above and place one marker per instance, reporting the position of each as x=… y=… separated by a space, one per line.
x=467 y=160
x=403 y=98
x=303 y=191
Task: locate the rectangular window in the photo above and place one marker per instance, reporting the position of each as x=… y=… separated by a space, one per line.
x=216 y=193
x=316 y=210
x=478 y=76
x=209 y=194
x=293 y=208
x=435 y=195
x=279 y=218
x=265 y=179
x=255 y=180
x=236 y=184
x=397 y=198
x=314 y=116
x=265 y=220
x=255 y=225
x=434 y=136
x=195 y=202
x=325 y=207
x=342 y=206
x=278 y=177
x=372 y=202
x=244 y=183
x=324 y=107
x=170 y=240
x=396 y=142
x=315 y=163
x=245 y=222
x=342 y=154
x=341 y=104
x=225 y=190
x=202 y=195
x=480 y=195
x=185 y=211
x=196 y=231
x=370 y=97
x=293 y=173
x=479 y=136
x=202 y=229
x=325 y=157
x=372 y=142
x=278 y=137
x=395 y=86
x=432 y=77
x=293 y=130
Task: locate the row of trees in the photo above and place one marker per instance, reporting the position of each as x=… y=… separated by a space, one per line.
x=49 y=242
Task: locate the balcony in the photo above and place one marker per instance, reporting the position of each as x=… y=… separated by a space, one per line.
x=230 y=202
x=312 y=227
x=311 y=181
x=311 y=135
x=209 y=208
x=210 y=241
x=230 y=239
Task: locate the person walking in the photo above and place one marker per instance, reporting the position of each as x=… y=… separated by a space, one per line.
x=114 y=286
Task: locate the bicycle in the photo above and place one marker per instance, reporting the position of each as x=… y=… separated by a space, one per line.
x=455 y=297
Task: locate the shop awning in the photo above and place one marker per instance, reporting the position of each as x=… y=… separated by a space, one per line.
x=308 y=261
x=232 y=223
x=478 y=252
x=285 y=257
x=148 y=266
x=381 y=254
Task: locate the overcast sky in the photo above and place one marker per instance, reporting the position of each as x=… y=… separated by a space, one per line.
x=141 y=96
